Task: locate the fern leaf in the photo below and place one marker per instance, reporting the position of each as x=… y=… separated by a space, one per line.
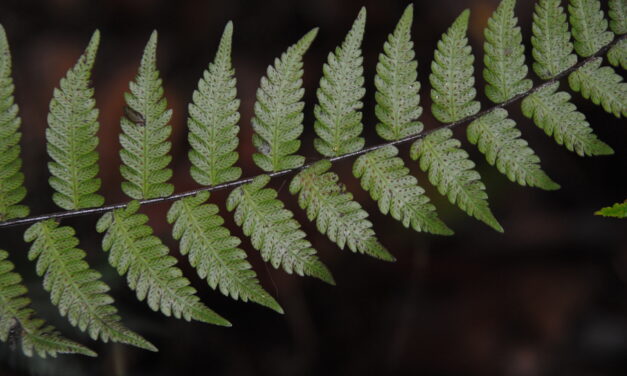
x=336 y=213
x=589 y=26
x=452 y=172
x=338 y=117
x=17 y=321
x=385 y=176
x=71 y=135
x=618 y=16
x=397 y=95
x=278 y=120
x=214 y=252
x=552 y=48
x=451 y=75
x=273 y=231
x=145 y=130
x=213 y=118
x=75 y=288
x=498 y=138
x=151 y=272
x=12 y=190
x=618 y=210
x=617 y=55
x=602 y=85
x=505 y=69
x=553 y=112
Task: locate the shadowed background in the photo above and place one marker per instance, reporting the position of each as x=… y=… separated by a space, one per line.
x=548 y=297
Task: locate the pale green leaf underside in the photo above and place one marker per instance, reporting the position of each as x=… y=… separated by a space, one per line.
x=602 y=85
x=273 y=231
x=214 y=252
x=338 y=114
x=213 y=120
x=75 y=288
x=144 y=142
x=618 y=210
x=18 y=323
x=336 y=214
x=450 y=169
x=499 y=140
x=71 y=136
x=589 y=26
x=150 y=271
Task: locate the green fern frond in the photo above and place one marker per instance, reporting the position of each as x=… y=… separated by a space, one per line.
x=12 y=190
x=75 y=288
x=618 y=210
x=505 y=69
x=336 y=213
x=214 y=252
x=617 y=55
x=618 y=16
x=278 y=120
x=602 y=85
x=451 y=75
x=397 y=95
x=17 y=321
x=274 y=231
x=213 y=118
x=338 y=112
x=151 y=272
x=145 y=130
x=452 y=172
x=498 y=138
x=589 y=26
x=385 y=176
x=552 y=48
x=553 y=112
x=71 y=135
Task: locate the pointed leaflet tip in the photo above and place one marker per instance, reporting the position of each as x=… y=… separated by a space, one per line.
x=92 y=48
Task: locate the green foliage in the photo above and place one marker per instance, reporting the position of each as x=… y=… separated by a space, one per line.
x=452 y=75
x=71 y=135
x=150 y=271
x=144 y=147
x=213 y=118
x=602 y=85
x=278 y=120
x=589 y=26
x=336 y=213
x=397 y=96
x=75 y=288
x=17 y=321
x=452 y=172
x=498 y=138
x=552 y=48
x=618 y=210
x=273 y=231
x=214 y=252
x=553 y=112
x=617 y=55
x=504 y=59
x=618 y=16
x=338 y=117
x=12 y=190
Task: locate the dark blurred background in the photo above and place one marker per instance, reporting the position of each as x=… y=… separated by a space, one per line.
x=547 y=297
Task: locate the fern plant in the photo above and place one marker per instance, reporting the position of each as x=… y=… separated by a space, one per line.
x=278 y=123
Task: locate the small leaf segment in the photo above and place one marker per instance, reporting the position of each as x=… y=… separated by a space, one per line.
x=618 y=210
x=617 y=55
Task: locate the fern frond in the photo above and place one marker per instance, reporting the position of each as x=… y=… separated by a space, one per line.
x=617 y=55
x=274 y=231
x=385 y=176
x=145 y=130
x=618 y=210
x=278 y=120
x=553 y=112
x=17 y=321
x=336 y=213
x=75 y=288
x=452 y=172
x=12 y=190
x=618 y=16
x=151 y=272
x=338 y=117
x=451 y=75
x=397 y=95
x=602 y=85
x=552 y=49
x=71 y=135
x=498 y=138
x=214 y=252
x=213 y=118
x=505 y=69
x=589 y=26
